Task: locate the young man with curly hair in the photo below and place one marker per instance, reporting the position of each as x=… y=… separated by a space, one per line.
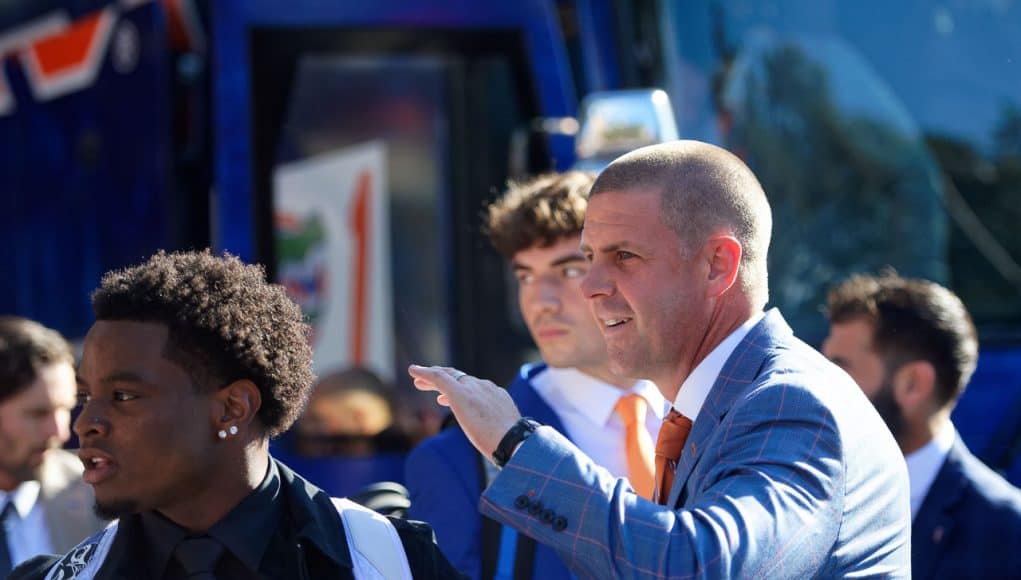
x=194 y=362
x=536 y=225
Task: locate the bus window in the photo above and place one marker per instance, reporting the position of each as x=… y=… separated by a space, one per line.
x=883 y=133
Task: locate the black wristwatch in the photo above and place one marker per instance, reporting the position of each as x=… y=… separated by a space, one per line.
x=518 y=433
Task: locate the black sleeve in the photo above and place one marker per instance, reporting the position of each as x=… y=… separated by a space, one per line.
x=424 y=556
x=34 y=568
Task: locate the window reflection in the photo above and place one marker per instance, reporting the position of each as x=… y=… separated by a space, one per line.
x=884 y=133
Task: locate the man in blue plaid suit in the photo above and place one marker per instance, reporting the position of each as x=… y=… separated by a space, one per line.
x=788 y=471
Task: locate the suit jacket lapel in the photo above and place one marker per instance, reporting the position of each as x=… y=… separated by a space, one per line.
x=741 y=369
x=531 y=404
x=935 y=518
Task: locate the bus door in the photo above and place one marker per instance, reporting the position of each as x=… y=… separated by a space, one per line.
x=375 y=135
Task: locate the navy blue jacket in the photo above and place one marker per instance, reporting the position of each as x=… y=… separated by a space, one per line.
x=969 y=525
x=443 y=476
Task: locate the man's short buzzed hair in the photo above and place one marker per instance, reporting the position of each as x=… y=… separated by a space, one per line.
x=911 y=319
x=702 y=188
x=538 y=212
x=225 y=323
x=25 y=347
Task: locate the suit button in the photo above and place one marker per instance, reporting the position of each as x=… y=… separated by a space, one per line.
x=548 y=516
x=521 y=502
x=559 y=524
x=536 y=508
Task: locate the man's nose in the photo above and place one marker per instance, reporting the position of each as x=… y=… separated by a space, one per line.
x=58 y=426
x=547 y=298
x=596 y=282
x=90 y=422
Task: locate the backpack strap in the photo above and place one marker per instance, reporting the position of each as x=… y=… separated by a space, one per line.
x=84 y=560
x=376 y=549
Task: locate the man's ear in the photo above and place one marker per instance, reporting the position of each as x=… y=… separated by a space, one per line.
x=236 y=405
x=723 y=255
x=915 y=385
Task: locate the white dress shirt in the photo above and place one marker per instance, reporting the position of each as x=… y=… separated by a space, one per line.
x=924 y=464
x=586 y=409
x=27 y=535
x=696 y=387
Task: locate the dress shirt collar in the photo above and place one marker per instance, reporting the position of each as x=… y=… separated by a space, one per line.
x=696 y=387
x=924 y=464
x=593 y=398
x=24 y=497
x=244 y=532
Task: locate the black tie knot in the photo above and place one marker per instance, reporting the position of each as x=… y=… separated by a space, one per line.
x=198 y=556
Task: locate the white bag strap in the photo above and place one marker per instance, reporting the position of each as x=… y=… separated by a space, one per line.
x=376 y=549
x=85 y=559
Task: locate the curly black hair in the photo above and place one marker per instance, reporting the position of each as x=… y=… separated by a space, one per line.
x=225 y=323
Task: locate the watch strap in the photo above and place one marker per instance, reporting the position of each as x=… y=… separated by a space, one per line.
x=515 y=435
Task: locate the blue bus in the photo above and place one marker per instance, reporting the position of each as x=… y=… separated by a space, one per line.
x=884 y=134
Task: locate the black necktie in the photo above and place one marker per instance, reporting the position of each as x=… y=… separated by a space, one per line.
x=6 y=561
x=198 y=556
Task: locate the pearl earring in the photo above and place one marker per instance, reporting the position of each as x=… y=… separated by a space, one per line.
x=221 y=434
x=233 y=429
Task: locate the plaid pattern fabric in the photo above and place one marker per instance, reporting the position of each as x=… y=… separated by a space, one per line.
x=788 y=473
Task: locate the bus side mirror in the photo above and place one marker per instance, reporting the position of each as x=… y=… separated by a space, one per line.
x=616 y=122
x=611 y=123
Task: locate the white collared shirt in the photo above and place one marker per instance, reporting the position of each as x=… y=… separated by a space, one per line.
x=696 y=387
x=924 y=464
x=27 y=535
x=585 y=406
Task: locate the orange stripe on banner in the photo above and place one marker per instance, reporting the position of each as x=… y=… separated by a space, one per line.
x=184 y=25
x=175 y=25
x=361 y=224
x=69 y=49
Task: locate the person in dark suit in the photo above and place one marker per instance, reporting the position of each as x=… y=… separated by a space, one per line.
x=536 y=226
x=911 y=346
x=44 y=504
x=193 y=363
x=771 y=464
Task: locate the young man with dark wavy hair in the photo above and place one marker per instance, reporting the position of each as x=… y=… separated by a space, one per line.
x=536 y=225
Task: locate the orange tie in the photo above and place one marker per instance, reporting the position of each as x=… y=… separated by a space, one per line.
x=637 y=443
x=672 y=436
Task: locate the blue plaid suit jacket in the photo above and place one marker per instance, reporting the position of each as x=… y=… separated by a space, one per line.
x=788 y=473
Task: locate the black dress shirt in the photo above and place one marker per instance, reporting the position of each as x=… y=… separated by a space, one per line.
x=287 y=529
x=244 y=532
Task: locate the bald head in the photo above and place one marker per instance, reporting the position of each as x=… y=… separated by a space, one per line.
x=704 y=190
